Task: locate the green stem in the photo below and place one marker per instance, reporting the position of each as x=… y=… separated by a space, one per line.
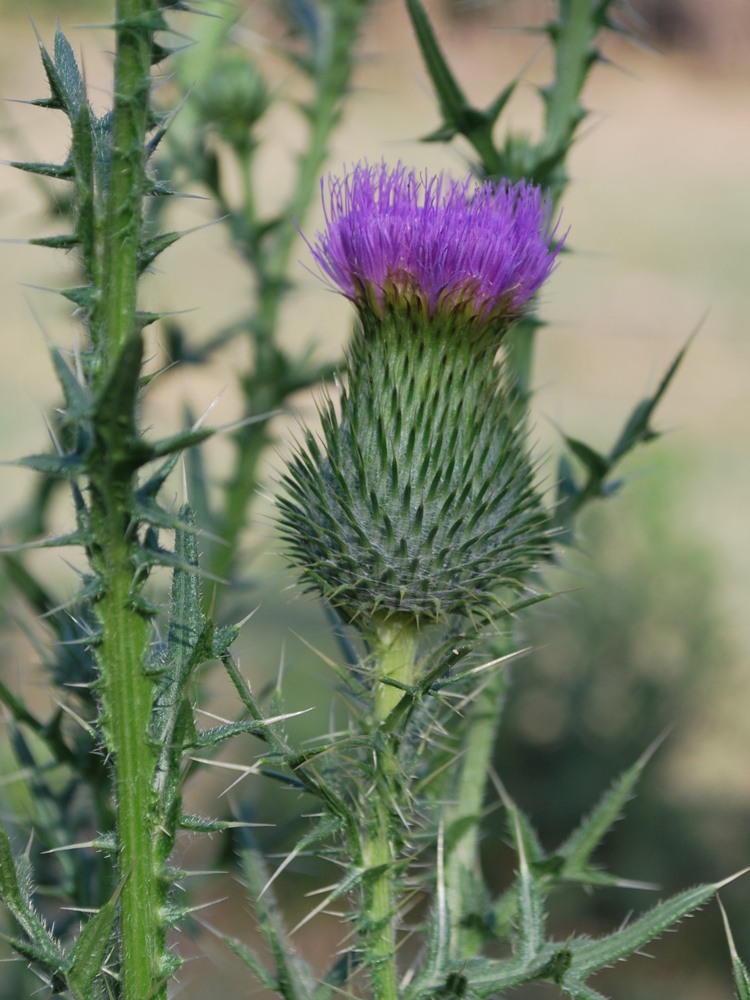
x=128 y=698
x=462 y=875
x=575 y=31
x=126 y=690
x=124 y=207
x=394 y=650
x=577 y=28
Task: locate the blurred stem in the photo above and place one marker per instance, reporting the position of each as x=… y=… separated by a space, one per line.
x=463 y=882
x=572 y=36
x=578 y=25
x=269 y=257
x=394 y=649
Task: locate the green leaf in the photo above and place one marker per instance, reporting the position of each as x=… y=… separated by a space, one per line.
x=151 y=249
x=53 y=465
x=638 y=427
x=46 y=948
x=77 y=400
x=580 y=845
x=294 y=979
x=488 y=977
x=530 y=920
x=82 y=152
x=60 y=171
x=88 y=954
x=451 y=98
x=68 y=75
x=180 y=442
x=64 y=241
x=251 y=960
x=590 y=956
x=597 y=465
x=497 y=107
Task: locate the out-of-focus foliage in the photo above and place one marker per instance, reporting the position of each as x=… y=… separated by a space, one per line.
x=633 y=652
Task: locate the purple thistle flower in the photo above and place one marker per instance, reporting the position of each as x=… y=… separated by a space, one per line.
x=448 y=244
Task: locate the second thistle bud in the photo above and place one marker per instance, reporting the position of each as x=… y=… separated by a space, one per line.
x=232 y=100
x=420 y=500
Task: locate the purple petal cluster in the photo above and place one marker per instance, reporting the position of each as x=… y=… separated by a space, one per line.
x=449 y=244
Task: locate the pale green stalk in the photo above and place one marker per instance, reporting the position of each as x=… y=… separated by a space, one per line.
x=394 y=652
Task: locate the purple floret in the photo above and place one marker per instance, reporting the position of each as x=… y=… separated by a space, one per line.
x=449 y=244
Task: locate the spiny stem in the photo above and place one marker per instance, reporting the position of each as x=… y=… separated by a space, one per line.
x=126 y=691
x=128 y=701
x=124 y=209
x=394 y=651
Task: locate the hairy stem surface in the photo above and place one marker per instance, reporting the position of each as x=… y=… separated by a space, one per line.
x=126 y=690
x=394 y=651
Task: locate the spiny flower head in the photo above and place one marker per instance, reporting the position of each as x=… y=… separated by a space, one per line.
x=483 y=249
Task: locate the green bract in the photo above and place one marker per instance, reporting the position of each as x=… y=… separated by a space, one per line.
x=421 y=500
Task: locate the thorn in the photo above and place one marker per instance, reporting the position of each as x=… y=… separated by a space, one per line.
x=71 y=847
x=201 y=420
x=441 y=903
x=280 y=676
x=252 y=769
x=317 y=892
x=216 y=871
x=289 y=858
x=728 y=931
x=218 y=718
x=247 y=618
x=203 y=906
x=731 y=878
x=81 y=722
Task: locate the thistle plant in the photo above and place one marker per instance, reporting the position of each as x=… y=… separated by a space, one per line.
x=417 y=512
x=423 y=504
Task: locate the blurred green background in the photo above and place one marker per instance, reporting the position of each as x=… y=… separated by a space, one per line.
x=652 y=629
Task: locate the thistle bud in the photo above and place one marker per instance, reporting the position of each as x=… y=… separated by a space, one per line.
x=232 y=100
x=420 y=500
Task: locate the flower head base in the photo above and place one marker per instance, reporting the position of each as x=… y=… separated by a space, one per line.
x=449 y=245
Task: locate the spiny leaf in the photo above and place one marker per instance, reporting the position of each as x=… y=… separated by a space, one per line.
x=530 y=922
x=151 y=249
x=53 y=465
x=68 y=75
x=88 y=954
x=60 y=171
x=450 y=96
x=14 y=897
x=77 y=399
x=638 y=427
x=580 y=845
x=64 y=241
x=251 y=960
x=596 y=464
x=294 y=980
x=591 y=955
